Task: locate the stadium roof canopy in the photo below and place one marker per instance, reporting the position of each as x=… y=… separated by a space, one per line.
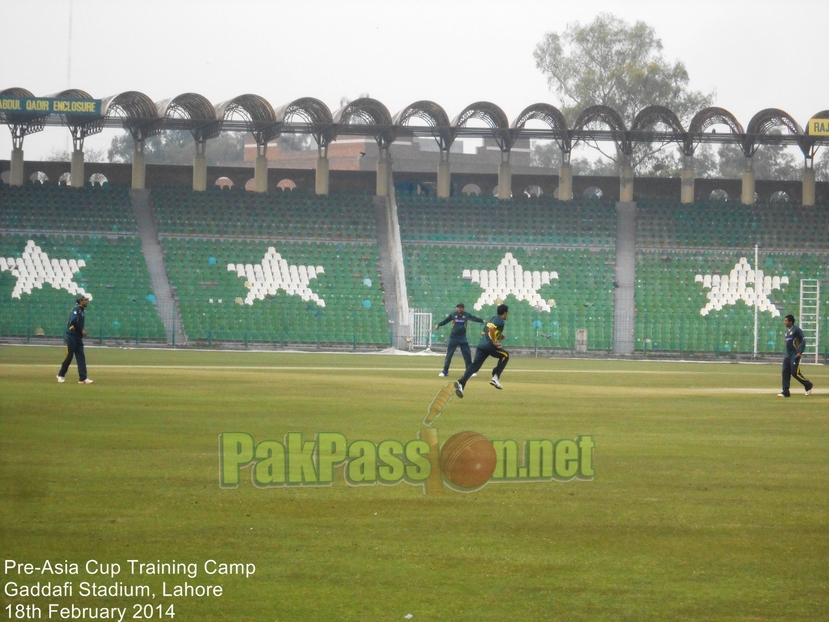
x=136 y=113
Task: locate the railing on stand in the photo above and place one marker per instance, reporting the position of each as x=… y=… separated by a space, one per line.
x=421 y=322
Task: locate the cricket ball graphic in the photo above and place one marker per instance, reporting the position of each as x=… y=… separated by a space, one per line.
x=468 y=460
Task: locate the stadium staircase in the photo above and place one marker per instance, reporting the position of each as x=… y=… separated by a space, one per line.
x=392 y=270
x=624 y=284
x=166 y=305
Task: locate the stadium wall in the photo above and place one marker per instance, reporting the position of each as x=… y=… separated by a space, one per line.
x=365 y=181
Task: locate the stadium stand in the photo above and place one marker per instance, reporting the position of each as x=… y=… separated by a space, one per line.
x=440 y=276
x=278 y=215
x=213 y=296
x=678 y=242
x=295 y=268
x=715 y=224
x=45 y=208
x=446 y=241
x=112 y=270
x=204 y=233
x=486 y=219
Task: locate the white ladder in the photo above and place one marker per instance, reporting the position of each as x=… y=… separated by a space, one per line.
x=810 y=316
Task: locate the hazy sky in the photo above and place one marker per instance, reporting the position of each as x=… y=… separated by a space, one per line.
x=754 y=54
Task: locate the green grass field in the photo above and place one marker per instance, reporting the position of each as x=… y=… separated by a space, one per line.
x=710 y=499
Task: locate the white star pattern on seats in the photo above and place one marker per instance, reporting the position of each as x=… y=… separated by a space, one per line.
x=35 y=268
x=273 y=274
x=510 y=278
x=742 y=283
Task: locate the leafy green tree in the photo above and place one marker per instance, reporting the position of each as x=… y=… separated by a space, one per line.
x=706 y=163
x=822 y=164
x=609 y=62
x=89 y=155
x=294 y=142
x=768 y=162
x=178 y=147
x=228 y=148
x=120 y=148
x=612 y=63
x=545 y=154
x=600 y=167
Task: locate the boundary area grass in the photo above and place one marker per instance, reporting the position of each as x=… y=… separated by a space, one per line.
x=710 y=499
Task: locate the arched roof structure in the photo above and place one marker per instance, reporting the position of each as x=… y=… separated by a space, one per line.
x=366 y=111
x=651 y=116
x=609 y=117
x=81 y=127
x=550 y=115
x=763 y=123
x=20 y=124
x=137 y=112
x=493 y=116
x=709 y=117
x=315 y=114
x=255 y=112
x=198 y=113
x=434 y=116
x=766 y=120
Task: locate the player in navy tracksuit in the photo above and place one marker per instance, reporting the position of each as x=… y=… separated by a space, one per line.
x=490 y=345
x=795 y=345
x=74 y=342
x=457 y=338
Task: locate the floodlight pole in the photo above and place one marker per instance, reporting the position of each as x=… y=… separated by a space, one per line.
x=69 y=58
x=756 y=255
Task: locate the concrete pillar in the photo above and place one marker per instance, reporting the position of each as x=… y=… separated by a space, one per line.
x=139 y=170
x=626 y=180
x=748 y=184
x=383 y=173
x=260 y=174
x=808 y=187
x=76 y=174
x=200 y=172
x=16 y=177
x=686 y=192
x=444 y=180
x=504 y=181
x=565 y=182
x=322 y=179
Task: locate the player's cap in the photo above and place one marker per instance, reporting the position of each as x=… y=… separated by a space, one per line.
x=82 y=297
x=460 y=305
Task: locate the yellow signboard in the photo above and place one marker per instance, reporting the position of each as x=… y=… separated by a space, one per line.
x=818 y=127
